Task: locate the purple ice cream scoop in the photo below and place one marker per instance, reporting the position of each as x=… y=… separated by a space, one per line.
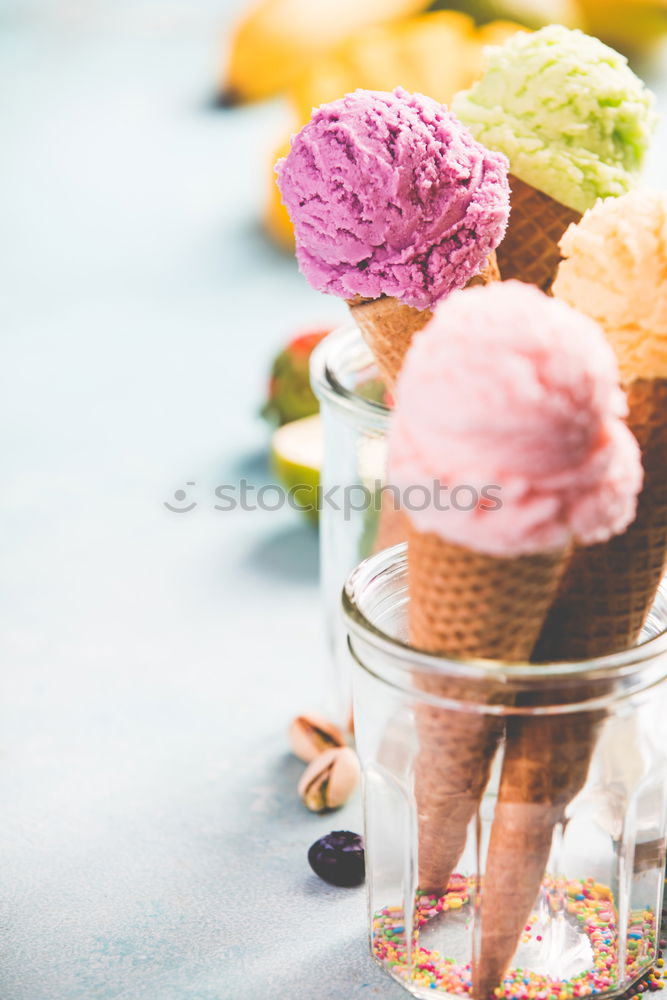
x=390 y=194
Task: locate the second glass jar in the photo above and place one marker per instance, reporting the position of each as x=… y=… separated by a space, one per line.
x=356 y=517
x=595 y=910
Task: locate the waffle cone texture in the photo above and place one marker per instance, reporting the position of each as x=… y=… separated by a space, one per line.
x=545 y=765
x=608 y=589
x=529 y=252
x=604 y=599
x=468 y=605
x=388 y=326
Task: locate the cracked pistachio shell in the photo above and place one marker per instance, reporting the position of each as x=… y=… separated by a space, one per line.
x=330 y=779
x=311 y=734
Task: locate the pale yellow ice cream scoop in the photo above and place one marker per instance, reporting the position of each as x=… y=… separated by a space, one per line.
x=615 y=270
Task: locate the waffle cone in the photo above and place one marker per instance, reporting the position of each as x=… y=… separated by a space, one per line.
x=608 y=589
x=603 y=601
x=489 y=273
x=529 y=250
x=468 y=605
x=388 y=326
x=545 y=765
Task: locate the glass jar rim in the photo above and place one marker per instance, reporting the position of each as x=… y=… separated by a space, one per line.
x=327 y=363
x=393 y=561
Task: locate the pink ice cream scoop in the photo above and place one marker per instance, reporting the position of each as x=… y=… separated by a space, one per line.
x=508 y=435
x=390 y=195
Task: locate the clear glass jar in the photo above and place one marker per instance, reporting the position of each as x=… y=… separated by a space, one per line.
x=596 y=915
x=352 y=522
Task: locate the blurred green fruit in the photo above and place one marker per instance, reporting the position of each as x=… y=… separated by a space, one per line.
x=290 y=396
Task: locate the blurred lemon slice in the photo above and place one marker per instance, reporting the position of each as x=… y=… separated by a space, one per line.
x=296 y=459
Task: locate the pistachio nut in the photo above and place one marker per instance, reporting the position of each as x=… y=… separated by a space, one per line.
x=310 y=734
x=330 y=779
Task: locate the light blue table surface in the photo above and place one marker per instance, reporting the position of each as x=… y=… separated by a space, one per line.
x=152 y=844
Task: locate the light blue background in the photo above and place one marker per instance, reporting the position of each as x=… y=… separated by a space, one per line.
x=152 y=843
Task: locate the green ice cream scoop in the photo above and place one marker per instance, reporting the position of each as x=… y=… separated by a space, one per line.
x=568 y=112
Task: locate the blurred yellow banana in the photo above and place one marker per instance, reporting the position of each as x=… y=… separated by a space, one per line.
x=436 y=53
x=277 y=39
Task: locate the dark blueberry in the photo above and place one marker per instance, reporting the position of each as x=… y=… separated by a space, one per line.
x=338 y=858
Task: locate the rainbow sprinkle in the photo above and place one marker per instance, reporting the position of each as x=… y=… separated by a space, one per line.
x=587 y=903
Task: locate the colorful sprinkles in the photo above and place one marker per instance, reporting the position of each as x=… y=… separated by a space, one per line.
x=588 y=903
